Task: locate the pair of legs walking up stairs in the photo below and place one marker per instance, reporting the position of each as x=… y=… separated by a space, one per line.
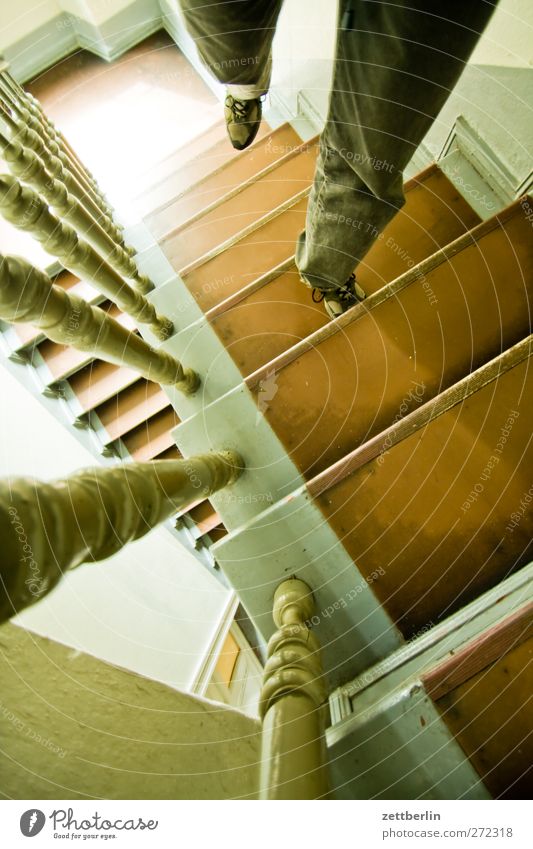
x=396 y=64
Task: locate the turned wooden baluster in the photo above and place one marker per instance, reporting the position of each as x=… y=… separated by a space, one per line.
x=18 y=104
x=27 y=294
x=30 y=168
x=29 y=139
x=293 y=701
x=48 y=528
x=36 y=109
x=25 y=209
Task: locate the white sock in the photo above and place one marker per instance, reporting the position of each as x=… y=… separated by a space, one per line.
x=245 y=92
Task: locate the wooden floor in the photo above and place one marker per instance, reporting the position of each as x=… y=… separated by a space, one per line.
x=127 y=117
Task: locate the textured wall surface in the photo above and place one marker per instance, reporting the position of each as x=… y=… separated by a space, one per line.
x=74 y=727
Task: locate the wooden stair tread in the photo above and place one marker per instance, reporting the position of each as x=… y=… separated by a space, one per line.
x=229 y=272
x=205 y=517
x=253 y=255
x=99 y=381
x=491 y=719
x=434 y=215
x=334 y=392
x=152 y=437
x=232 y=216
x=131 y=407
x=433 y=511
x=167 y=178
x=211 y=150
x=269 y=321
x=282 y=312
x=236 y=170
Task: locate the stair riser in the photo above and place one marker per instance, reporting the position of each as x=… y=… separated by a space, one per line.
x=130 y=408
x=100 y=382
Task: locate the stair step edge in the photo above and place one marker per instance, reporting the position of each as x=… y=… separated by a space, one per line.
x=220 y=169
x=246 y=231
x=418 y=271
x=237 y=190
x=418 y=418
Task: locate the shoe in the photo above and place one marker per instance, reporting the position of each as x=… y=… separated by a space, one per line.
x=337 y=301
x=243 y=118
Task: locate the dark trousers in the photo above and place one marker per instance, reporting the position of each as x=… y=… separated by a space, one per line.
x=396 y=63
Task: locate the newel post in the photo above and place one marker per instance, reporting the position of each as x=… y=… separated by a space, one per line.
x=293 y=702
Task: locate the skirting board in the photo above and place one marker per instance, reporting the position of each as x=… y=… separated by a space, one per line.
x=63 y=35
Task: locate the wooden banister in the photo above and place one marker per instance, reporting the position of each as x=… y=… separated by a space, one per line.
x=26 y=210
x=49 y=528
x=27 y=294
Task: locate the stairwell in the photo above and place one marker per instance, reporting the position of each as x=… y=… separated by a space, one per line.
x=387 y=452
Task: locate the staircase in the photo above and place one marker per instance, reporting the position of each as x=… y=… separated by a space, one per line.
x=387 y=452
x=392 y=445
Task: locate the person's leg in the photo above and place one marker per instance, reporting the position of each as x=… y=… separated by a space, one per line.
x=234 y=40
x=396 y=64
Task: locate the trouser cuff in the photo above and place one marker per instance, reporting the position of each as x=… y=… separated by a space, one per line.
x=246 y=92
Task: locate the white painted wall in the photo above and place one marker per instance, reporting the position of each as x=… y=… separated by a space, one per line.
x=79 y=8
x=102 y=10
x=94 y=11
x=20 y=19
x=304 y=46
x=508 y=39
x=23 y=17
x=152 y=608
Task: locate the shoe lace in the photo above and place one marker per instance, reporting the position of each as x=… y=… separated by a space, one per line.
x=238 y=107
x=342 y=293
x=347 y=291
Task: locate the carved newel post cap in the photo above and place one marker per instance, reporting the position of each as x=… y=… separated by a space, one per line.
x=293 y=602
